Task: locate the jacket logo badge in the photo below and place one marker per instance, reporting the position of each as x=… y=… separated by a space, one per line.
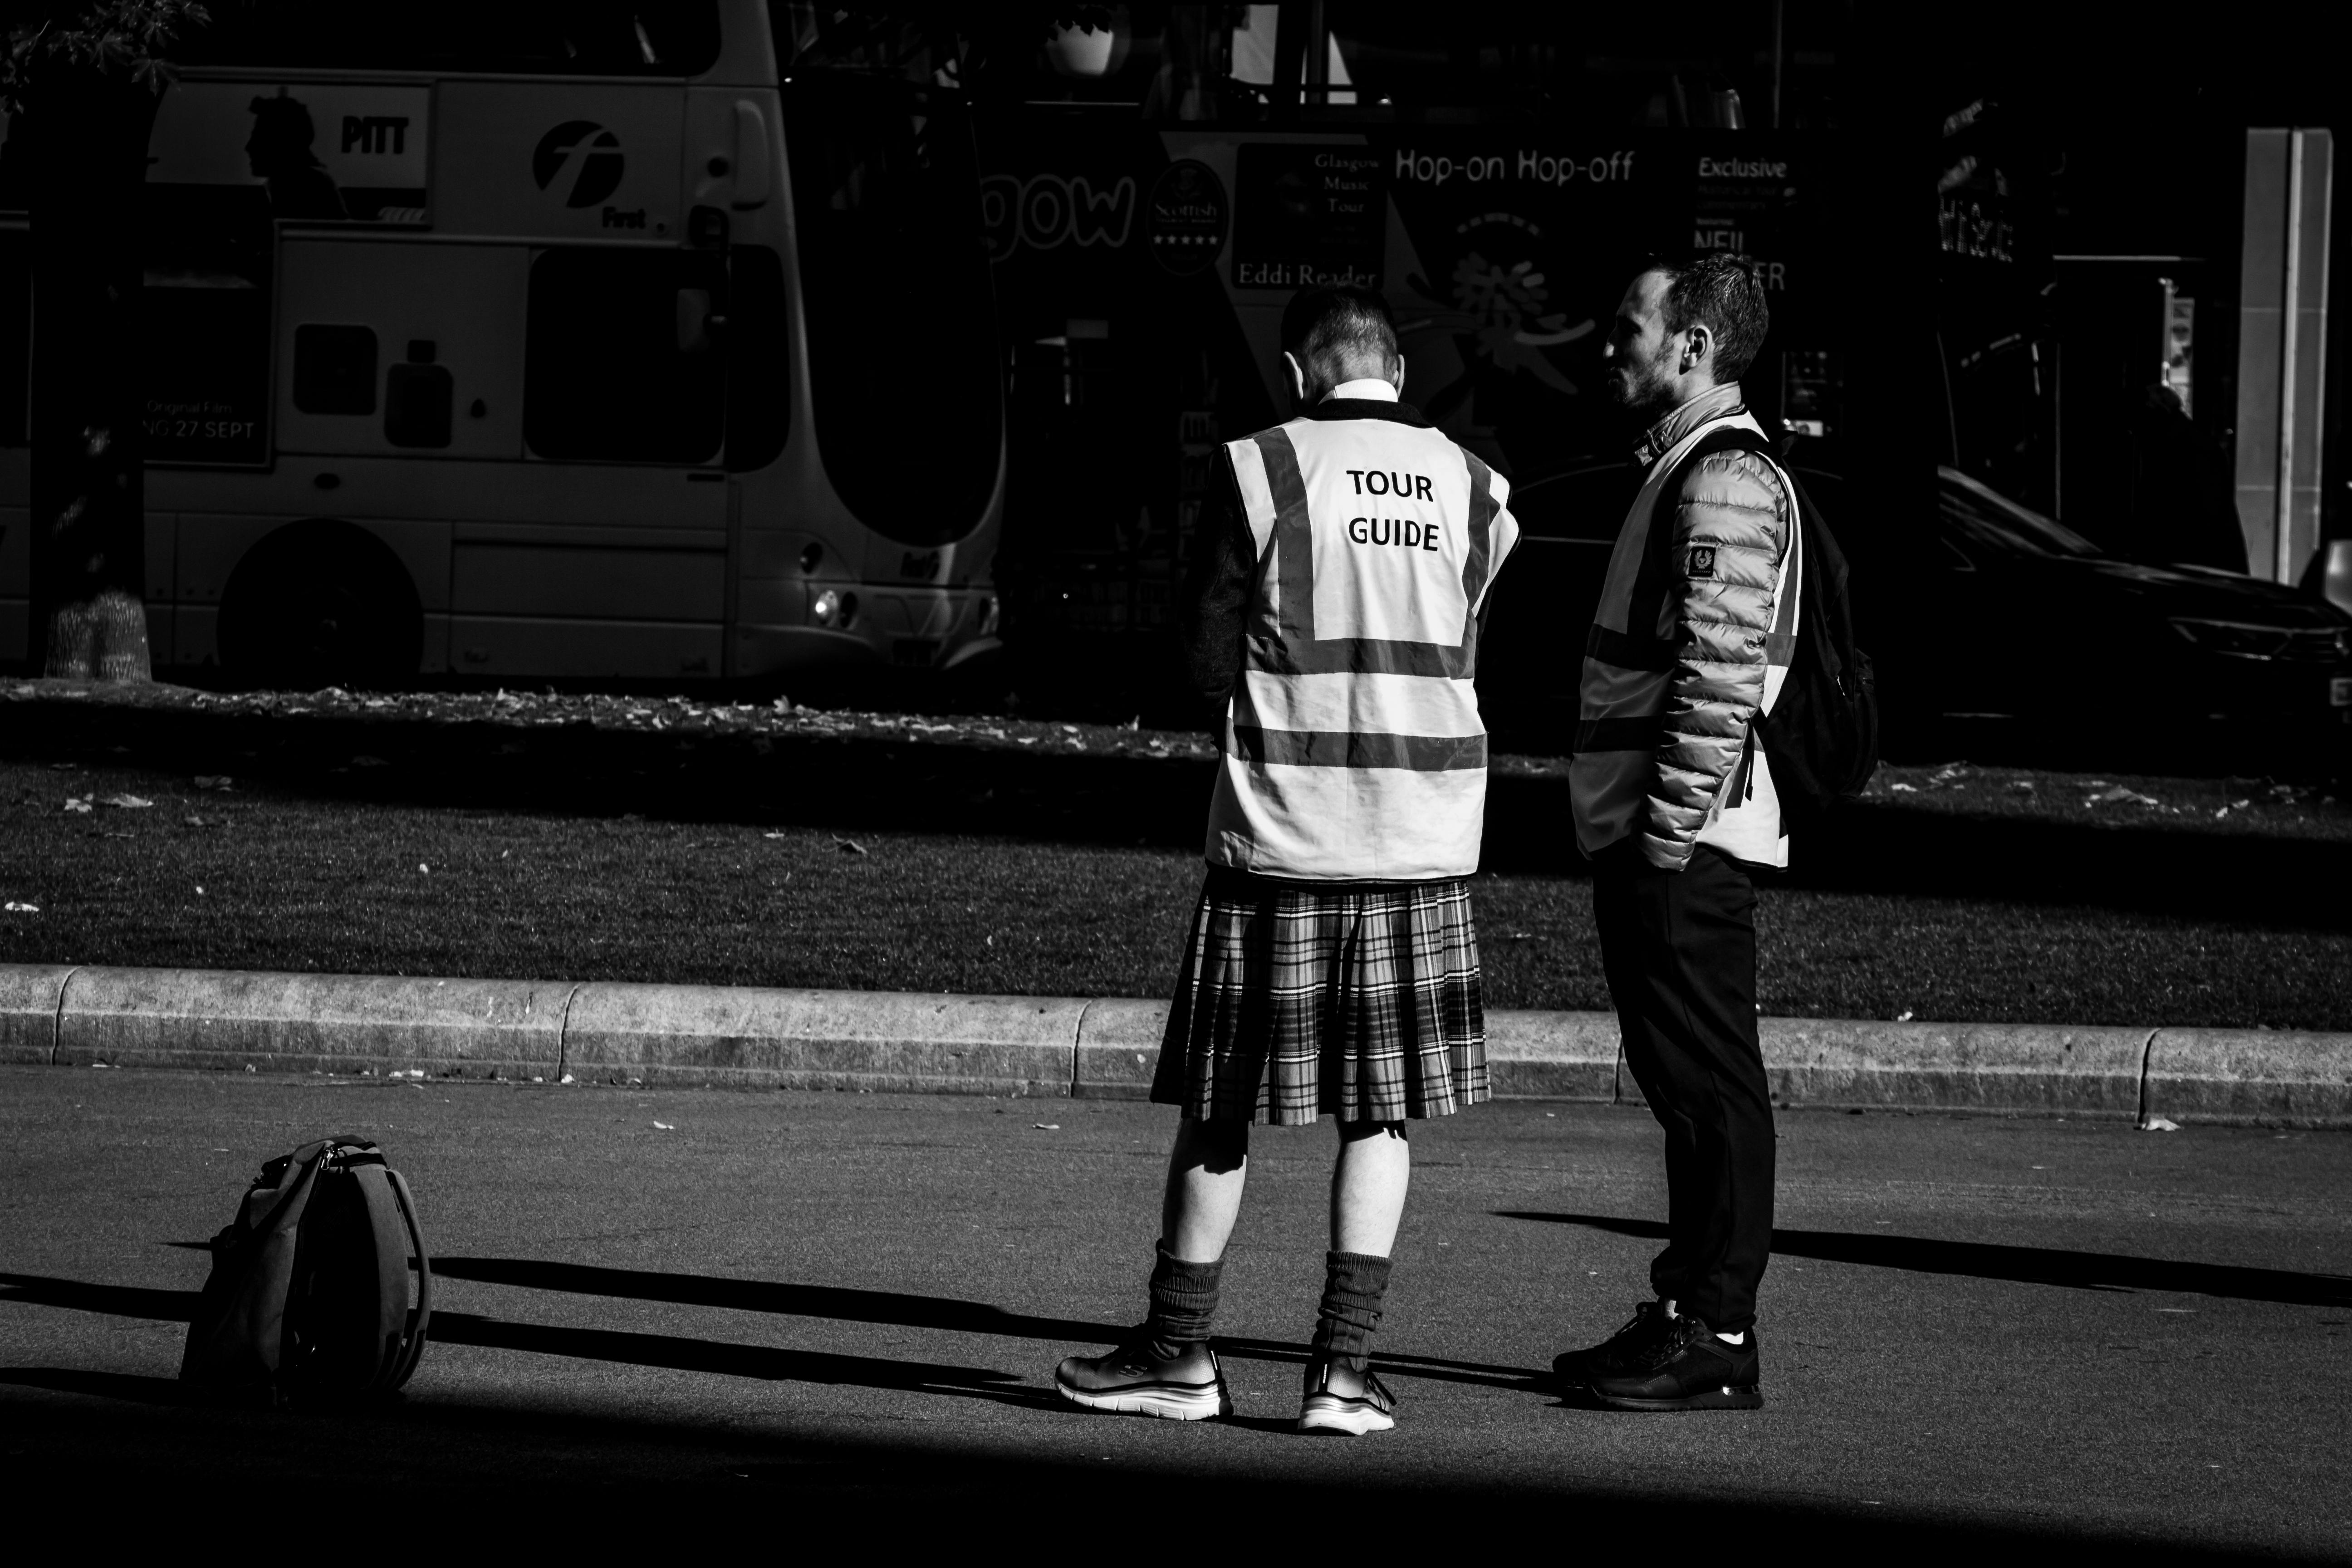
x=1702 y=561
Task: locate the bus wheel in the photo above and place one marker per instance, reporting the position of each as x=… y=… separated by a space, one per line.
x=321 y=604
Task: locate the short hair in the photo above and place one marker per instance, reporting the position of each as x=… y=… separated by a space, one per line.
x=1719 y=292
x=1332 y=329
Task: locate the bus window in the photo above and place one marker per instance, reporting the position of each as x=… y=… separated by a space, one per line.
x=417 y=398
x=334 y=369
x=901 y=324
x=619 y=360
x=538 y=38
x=759 y=360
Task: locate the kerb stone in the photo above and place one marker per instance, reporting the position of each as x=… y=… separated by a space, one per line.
x=1552 y=1056
x=907 y=1042
x=29 y=1011
x=2030 y=1067
x=2250 y=1076
x=1118 y=1048
x=322 y=1023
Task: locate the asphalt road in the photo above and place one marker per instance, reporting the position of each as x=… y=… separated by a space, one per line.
x=2003 y=1334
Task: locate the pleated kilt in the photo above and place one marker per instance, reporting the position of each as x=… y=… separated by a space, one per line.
x=1294 y=1001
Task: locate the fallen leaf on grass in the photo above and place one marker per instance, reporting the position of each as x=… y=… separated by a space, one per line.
x=16 y=907
x=851 y=846
x=1904 y=788
x=2159 y=1124
x=2120 y=792
x=126 y=802
x=196 y=822
x=667 y=1126
x=1904 y=1016
x=1048 y=1127
x=775 y=836
x=213 y=781
x=77 y=802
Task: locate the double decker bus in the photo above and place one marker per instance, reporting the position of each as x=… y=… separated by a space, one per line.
x=535 y=340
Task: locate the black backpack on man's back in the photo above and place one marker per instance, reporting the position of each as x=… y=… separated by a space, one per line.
x=1822 y=735
x=309 y=1296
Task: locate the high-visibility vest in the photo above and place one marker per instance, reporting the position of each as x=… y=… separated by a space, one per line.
x=1353 y=746
x=1628 y=673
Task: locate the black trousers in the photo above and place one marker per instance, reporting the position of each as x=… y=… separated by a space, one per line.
x=1680 y=952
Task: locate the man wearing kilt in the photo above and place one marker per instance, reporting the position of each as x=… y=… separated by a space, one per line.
x=1332 y=616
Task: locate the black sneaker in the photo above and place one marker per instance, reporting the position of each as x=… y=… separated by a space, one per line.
x=1649 y=1326
x=1689 y=1369
x=1135 y=1382
x=1341 y=1399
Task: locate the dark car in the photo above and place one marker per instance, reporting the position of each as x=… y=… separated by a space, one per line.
x=2013 y=614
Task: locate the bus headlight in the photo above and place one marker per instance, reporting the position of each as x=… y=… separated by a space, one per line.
x=835 y=609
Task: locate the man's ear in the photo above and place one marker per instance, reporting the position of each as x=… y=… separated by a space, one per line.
x=1698 y=348
x=1396 y=377
x=1298 y=375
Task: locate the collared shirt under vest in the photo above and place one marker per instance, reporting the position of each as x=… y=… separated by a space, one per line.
x=1692 y=638
x=1354 y=749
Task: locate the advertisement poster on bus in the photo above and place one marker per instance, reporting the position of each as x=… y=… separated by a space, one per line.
x=1502 y=253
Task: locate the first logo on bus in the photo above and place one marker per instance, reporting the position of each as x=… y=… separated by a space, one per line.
x=588 y=149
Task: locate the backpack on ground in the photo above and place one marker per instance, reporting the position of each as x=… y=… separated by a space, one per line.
x=1821 y=736
x=308 y=1297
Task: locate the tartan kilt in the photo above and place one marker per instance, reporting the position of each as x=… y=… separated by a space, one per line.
x=1296 y=1001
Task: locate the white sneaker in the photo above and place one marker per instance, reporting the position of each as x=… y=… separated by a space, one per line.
x=1133 y=1382
x=1343 y=1400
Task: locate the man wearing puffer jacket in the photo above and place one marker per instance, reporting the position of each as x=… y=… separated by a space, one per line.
x=1674 y=804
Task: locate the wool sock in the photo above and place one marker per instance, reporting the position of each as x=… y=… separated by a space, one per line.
x=1738 y=1339
x=1183 y=1300
x=1353 y=1284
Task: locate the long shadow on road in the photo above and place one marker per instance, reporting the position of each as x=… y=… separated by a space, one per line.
x=751 y=1296
x=837 y=1483
x=711 y=773
x=170 y=1437
x=2023 y=1265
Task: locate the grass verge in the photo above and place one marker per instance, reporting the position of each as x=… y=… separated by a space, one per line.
x=860 y=852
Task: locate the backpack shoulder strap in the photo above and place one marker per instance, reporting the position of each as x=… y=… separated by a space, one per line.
x=1648 y=602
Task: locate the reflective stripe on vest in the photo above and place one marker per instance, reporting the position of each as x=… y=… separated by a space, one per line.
x=1353 y=746
x=1629 y=659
